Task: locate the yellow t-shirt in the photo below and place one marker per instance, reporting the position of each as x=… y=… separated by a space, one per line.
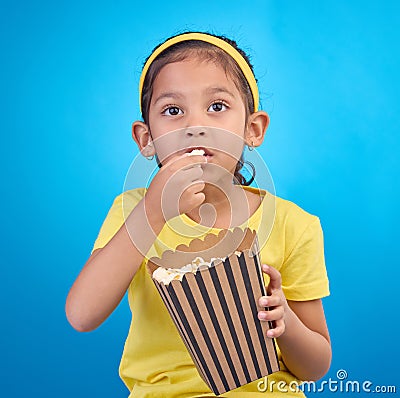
x=155 y=361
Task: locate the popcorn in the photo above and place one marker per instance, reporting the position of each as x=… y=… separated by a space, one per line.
x=196 y=152
x=167 y=275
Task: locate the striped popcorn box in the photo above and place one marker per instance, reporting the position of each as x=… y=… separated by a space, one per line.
x=215 y=308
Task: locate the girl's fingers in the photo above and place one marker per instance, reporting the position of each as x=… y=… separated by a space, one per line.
x=271 y=315
x=275 y=280
x=184 y=162
x=270 y=301
x=191 y=174
x=194 y=160
x=275 y=301
x=195 y=187
x=278 y=330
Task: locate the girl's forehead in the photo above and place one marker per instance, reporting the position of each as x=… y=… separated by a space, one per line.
x=192 y=73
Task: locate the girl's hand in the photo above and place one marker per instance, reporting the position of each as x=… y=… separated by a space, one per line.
x=177 y=187
x=276 y=301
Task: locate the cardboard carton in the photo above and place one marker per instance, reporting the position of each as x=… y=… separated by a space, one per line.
x=215 y=309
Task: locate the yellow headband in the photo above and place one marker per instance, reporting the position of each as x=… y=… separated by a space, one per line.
x=244 y=66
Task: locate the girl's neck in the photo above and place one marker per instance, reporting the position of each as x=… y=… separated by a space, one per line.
x=219 y=196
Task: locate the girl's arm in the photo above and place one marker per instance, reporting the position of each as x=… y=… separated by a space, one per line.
x=108 y=272
x=300 y=330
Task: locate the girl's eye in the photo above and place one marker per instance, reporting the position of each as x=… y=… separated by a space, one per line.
x=217 y=106
x=172 y=111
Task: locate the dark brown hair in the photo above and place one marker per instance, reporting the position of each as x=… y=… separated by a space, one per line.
x=205 y=52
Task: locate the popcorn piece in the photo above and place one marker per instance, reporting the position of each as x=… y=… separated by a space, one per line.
x=197 y=152
x=197 y=261
x=212 y=259
x=166 y=275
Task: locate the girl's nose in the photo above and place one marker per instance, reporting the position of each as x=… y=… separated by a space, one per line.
x=195 y=131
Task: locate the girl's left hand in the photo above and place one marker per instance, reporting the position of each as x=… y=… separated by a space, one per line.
x=275 y=301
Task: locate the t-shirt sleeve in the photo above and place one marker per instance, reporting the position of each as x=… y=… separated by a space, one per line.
x=304 y=275
x=111 y=224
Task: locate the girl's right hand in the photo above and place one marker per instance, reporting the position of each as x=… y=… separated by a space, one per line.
x=177 y=187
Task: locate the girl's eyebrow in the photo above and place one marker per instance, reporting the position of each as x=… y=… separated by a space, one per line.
x=208 y=91
x=168 y=95
x=218 y=89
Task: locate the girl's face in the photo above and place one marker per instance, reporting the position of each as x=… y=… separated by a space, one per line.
x=197 y=93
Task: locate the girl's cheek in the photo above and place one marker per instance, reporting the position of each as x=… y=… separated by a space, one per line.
x=165 y=123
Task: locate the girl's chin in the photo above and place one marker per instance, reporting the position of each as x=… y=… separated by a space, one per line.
x=214 y=173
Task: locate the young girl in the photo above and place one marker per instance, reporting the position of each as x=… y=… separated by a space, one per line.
x=198 y=91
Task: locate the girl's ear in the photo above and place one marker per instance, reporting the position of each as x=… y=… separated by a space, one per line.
x=257 y=125
x=142 y=137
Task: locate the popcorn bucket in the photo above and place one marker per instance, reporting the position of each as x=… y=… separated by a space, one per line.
x=215 y=309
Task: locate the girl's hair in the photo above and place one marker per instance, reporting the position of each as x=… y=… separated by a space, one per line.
x=205 y=52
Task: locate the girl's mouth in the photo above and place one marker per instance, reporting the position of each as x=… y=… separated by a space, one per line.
x=203 y=151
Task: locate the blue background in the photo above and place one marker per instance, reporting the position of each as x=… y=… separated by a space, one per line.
x=328 y=74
